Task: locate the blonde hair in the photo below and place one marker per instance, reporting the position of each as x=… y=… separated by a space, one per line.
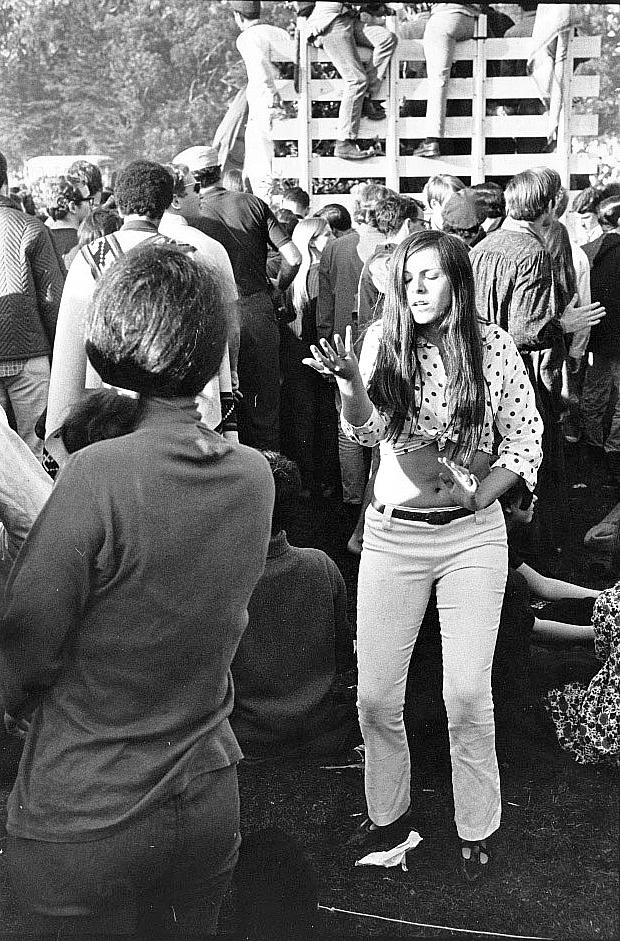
x=304 y=235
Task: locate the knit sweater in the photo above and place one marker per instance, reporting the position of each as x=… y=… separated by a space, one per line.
x=31 y=283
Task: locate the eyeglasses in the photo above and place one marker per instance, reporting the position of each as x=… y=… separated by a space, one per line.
x=195 y=187
x=464 y=233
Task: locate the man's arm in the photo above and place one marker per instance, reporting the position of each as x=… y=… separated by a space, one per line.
x=291 y=262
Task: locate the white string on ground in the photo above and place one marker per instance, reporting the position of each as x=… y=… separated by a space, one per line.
x=420 y=924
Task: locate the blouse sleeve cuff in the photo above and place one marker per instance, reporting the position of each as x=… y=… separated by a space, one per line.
x=525 y=467
x=370 y=433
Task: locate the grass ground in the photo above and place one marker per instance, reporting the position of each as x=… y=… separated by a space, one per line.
x=555 y=868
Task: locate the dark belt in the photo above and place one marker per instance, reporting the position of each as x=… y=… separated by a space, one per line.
x=434 y=517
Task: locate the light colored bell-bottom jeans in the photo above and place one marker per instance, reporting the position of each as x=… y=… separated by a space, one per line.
x=443 y=30
x=467 y=562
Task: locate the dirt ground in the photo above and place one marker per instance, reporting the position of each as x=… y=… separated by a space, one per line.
x=555 y=866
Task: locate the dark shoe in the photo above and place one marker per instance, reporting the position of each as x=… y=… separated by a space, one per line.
x=476 y=866
x=373 y=110
x=428 y=148
x=349 y=150
x=369 y=838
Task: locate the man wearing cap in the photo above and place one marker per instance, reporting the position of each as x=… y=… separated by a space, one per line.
x=259 y=43
x=30 y=288
x=463 y=215
x=246 y=227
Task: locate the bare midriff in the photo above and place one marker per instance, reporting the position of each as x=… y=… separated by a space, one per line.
x=412 y=479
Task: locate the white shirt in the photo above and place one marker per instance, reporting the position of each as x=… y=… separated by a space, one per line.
x=257 y=45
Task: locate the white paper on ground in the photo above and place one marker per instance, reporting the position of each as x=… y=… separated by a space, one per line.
x=396 y=856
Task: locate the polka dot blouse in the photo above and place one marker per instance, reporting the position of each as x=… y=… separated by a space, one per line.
x=511 y=410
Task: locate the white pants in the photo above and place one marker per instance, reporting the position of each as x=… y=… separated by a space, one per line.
x=467 y=562
x=259 y=150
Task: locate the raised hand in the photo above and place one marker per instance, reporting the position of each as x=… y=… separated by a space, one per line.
x=459 y=483
x=577 y=318
x=338 y=360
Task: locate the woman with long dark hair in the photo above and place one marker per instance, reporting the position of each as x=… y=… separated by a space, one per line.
x=440 y=391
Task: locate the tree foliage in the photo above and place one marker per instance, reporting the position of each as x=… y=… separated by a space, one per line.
x=123 y=77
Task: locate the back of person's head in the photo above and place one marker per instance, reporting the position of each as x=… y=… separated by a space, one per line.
x=367 y=195
x=439 y=188
x=296 y=199
x=98 y=222
x=144 y=188
x=491 y=197
x=392 y=212
x=60 y=196
x=337 y=217
x=463 y=215
x=515 y=496
x=609 y=212
x=232 y=180
x=277 y=891
x=247 y=9
x=287 y=479
x=85 y=173
x=287 y=220
x=156 y=324
x=587 y=200
x=529 y=195
x=4 y=171
x=179 y=173
x=610 y=189
x=551 y=179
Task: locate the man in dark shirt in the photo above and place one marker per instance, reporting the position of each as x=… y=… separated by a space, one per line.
x=246 y=227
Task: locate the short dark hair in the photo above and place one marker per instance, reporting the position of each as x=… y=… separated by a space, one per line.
x=491 y=196
x=337 y=217
x=297 y=195
x=208 y=175
x=515 y=494
x=391 y=213
x=97 y=223
x=609 y=211
x=59 y=195
x=156 y=323
x=144 y=188
x=587 y=200
x=178 y=172
x=85 y=173
x=287 y=479
x=529 y=194
x=4 y=170
x=102 y=415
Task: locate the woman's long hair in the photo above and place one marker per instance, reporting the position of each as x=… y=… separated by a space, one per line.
x=558 y=245
x=304 y=235
x=398 y=368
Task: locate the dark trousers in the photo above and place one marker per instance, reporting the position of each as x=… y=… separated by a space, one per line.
x=259 y=373
x=309 y=424
x=168 y=870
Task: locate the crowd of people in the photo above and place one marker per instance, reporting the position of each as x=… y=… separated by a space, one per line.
x=184 y=364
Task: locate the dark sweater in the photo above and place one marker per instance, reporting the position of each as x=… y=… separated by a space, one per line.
x=604 y=257
x=124 y=611
x=31 y=283
x=285 y=668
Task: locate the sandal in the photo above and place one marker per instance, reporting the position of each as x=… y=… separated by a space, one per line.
x=474 y=866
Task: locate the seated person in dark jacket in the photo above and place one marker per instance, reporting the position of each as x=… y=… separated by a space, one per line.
x=297 y=641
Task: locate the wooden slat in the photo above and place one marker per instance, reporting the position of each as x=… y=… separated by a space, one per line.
x=584 y=86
